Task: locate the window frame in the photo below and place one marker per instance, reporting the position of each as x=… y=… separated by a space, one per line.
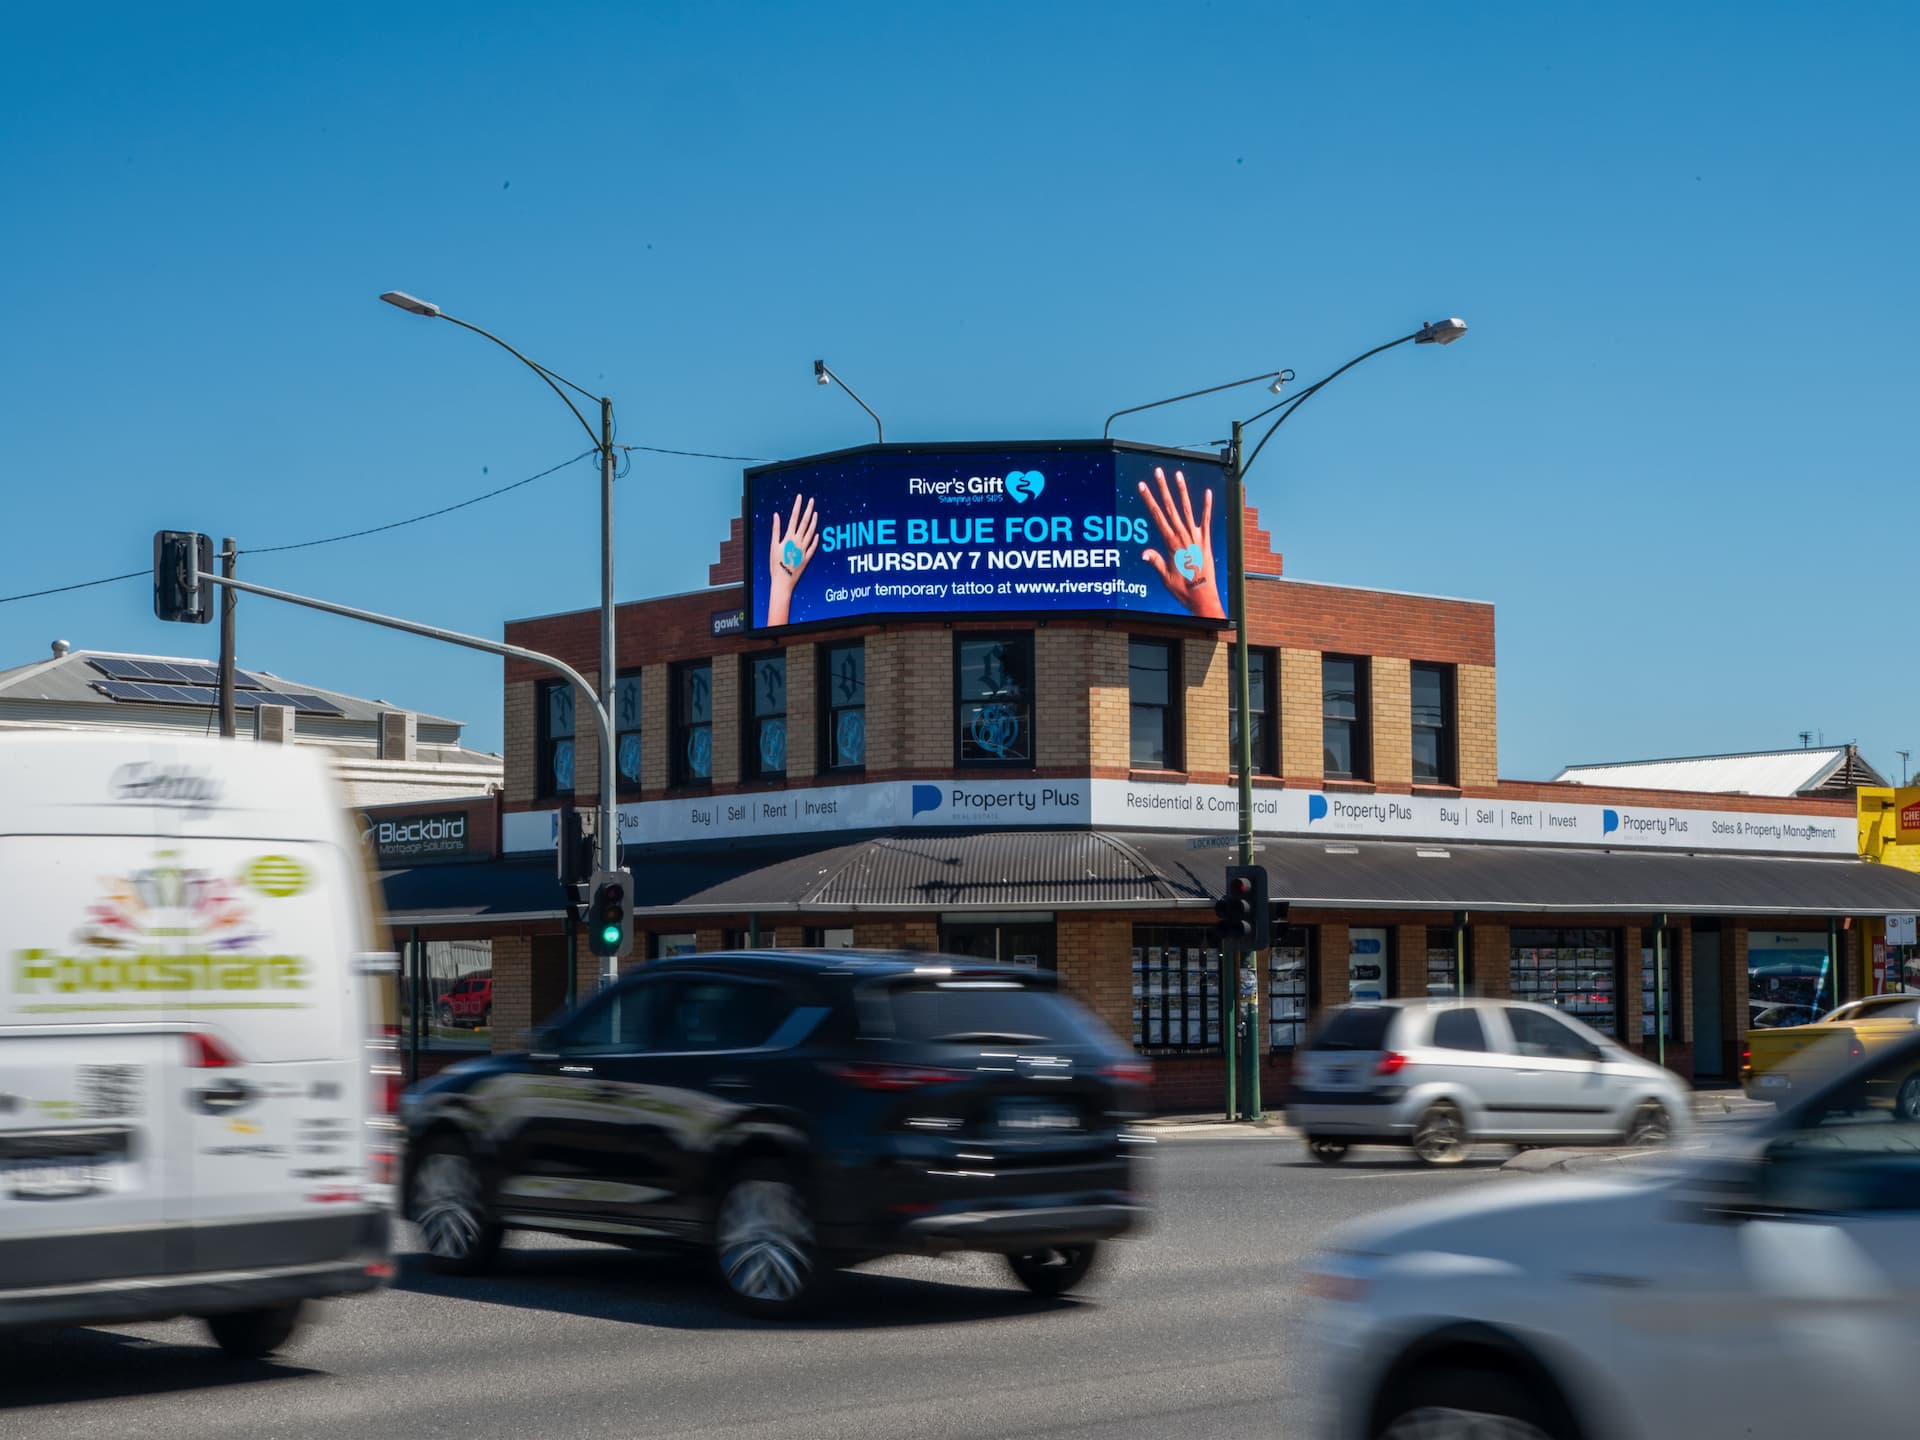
x=546 y=785
x=1204 y=989
x=637 y=729
x=1293 y=937
x=1360 y=737
x=1446 y=732
x=963 y=638
x=1608 y=1019
x=752 y=767
x=1266 y=740
x=680 y=729
x=1172 y=738
x=830 y=712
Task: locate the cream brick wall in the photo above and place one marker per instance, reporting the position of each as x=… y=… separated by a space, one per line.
x=1108 y=724
x=885 y=694
x=1478 y=725
x=1391 y=684
x=1302 y=742
x=1334 y=988
x=925 y=660
x=522 y=734
x=1493 y=961
x=1062 y=701
x=726 y=720
x=656 y=700
x=1207 y=674
x=586 y=743
x=512 y=990
x=803 y=698
x=1096 y=967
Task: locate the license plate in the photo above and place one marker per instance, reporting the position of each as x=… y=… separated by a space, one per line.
x=1774 y=1082
x=1038 y=1117
x=54 y=1180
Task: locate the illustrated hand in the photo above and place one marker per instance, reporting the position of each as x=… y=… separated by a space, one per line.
x=787 y=555
x=1187 y=569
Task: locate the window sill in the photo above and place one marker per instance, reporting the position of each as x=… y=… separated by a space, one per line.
x=1163 y=777
x=1350 y=787
x=1451 y=792
x=1262 y=780
x=687 y=787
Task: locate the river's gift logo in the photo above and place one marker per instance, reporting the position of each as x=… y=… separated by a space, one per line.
x=169 y=928
x=790 y=555
x=1188 y=560
x=1024 y=485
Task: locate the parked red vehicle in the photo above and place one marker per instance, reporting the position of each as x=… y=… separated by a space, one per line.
x=468 y=1004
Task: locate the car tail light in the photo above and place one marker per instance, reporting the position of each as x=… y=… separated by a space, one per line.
x=1128 y=1072
x=1855 y=1049
x=383 y=1125
x=1391 y=1063
x=894 y=1078
x=206 y=1053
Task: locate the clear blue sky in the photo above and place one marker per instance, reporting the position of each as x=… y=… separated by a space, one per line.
x=1673 y=450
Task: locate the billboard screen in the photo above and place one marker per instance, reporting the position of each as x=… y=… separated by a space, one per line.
x=902 y=530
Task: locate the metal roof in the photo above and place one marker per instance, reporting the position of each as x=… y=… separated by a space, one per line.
x=1760 y=772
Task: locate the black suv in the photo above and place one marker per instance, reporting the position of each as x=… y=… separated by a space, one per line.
x=793 y=1113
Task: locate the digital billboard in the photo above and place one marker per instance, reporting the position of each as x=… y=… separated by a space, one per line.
x=1093 y=527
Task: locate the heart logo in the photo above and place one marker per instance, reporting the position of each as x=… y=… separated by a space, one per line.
x=790 y=555
x=1023 y=485
x=1187 y=561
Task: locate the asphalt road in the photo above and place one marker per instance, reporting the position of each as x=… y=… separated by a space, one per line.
x=1193 y=1329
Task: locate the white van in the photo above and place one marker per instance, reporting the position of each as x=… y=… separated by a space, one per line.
x=193 y=1100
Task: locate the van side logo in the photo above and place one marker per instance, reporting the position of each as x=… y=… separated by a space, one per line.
x=142 y=783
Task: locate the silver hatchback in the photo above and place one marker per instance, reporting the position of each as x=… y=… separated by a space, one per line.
x=1440 y=1075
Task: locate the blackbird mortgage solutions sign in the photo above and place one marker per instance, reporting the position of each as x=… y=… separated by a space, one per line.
x=1086 y=527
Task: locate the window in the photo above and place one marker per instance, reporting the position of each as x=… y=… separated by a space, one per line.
x=1459 y=1029
x=843 y=705
x=831 y=938
x=743 y=940
x=1670 y=961
x=1539 y=1036
x=693 y=723
x=1153 y=684
x=626 y=724
x=448 y=984
x=1443 y=961
x=665 y=946
x=766 y=710
x=1572 y=970
x=1435 y=746
x=1176 y=988
x=1346 y=754
x=1369 y=963
x=706 y=1013
x=1289 y=985
x=993 y=699
x=555 y=700
x=1260 y=705
x=619 y=1021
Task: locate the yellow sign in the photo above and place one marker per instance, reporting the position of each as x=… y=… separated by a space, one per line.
x=1890 y=826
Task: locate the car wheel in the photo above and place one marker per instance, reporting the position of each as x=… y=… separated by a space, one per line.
x=1440 y=1137
x=1907 y=1103
x=764 y=1243
x=1327 y=1152
x=1651 y=1125
x=1466 y=1405
x=446 y=1017
x=1055 y=1271
x=449 y=1207
x=255 y=1334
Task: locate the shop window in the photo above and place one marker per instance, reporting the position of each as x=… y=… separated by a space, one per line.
x=832 y=937
x=1369 y=963
x=1153 y=685
x=743 y=939
x=1176 y=989
x=1575 y=971
x=993 y=699
x=1436 y=743
x=555 y=703
x=1443 y=961
x=1346 y=748
x=765 y=730
x=626 y=722
x=1290 y=985
x=693 y=723
x=1650 y=972
x=1787 y=968
x=1262 y=697
x=452 y=984
x=1007 y=939
x=843 y=705
x=667 y=944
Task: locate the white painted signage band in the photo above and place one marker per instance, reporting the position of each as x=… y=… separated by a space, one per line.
x=1127 y=805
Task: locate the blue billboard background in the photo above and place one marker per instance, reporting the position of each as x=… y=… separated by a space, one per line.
x=991 y=531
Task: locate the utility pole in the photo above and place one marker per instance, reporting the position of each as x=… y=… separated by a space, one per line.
x=609 y=749
x=229 y=600
x=1903 y=754
x=1246 y=1006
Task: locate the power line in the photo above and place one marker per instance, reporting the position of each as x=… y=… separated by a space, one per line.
x=82 y=585
x=416 y=519
x=697 y=454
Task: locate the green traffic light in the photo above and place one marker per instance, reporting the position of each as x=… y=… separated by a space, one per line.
x=610 y=935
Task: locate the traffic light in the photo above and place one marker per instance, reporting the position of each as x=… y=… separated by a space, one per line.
x=575 y=847
x=177 y=591
x=1244 y=918
x=610 y=914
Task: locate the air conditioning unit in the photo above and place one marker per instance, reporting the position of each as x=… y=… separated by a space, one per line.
x=274 y=724
x=399 y=735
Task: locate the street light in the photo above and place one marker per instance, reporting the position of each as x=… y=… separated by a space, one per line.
x=823 y=375
x=1278 y=377
x=608 y=839
x=1436 y=332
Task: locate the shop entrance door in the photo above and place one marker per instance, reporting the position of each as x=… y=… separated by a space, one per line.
x=1709 y=1053
x=1008 y=939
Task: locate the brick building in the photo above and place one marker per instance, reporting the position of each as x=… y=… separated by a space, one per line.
x=831 y=788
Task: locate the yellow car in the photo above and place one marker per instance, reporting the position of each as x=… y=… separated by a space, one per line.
x=1776 y=1062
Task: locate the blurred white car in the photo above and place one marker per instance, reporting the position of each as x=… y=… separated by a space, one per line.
x=1770 y=1292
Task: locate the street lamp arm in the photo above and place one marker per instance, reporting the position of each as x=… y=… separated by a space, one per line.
x=826 y=372
x=1107 y=432
x=545 y=374
x=1298 y=400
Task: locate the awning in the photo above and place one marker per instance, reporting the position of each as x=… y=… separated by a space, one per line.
x=464 y=894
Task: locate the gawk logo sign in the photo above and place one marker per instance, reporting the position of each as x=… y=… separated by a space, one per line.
x=925 y=798
x=1024 y=485
x=1316 y=808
